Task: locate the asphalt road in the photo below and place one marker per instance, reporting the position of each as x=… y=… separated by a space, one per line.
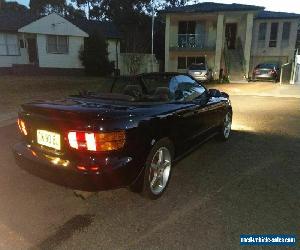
x=249 y=184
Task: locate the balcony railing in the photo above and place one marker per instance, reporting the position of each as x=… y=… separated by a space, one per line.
x=192 y=41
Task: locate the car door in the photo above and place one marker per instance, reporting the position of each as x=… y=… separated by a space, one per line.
x=203 y=116
x=195 y=117
x=215 y=108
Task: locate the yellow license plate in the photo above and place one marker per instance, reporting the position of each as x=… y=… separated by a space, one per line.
x=48 y=139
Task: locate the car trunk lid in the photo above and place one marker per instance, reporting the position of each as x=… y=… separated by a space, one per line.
x=59 y=117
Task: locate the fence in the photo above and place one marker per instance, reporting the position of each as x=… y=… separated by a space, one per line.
x=135 y=63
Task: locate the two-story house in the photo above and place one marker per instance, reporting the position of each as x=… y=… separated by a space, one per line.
x=232 y=37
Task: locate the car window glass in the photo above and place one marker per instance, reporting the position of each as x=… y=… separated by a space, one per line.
x=267 y=66
x=197 y=67
x=159 y=88
x=184 y=88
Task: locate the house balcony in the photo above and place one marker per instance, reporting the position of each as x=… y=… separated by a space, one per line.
x=192 y=42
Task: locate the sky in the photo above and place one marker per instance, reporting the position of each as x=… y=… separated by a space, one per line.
x=273 y=5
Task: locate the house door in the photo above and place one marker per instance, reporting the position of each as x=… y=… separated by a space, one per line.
x=230 y=34
x=32 y=50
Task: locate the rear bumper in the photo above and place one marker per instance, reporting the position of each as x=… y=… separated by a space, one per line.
x=264 y=77
x=114 y=172
x=201 y=78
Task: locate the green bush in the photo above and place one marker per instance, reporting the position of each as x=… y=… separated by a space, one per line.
x=94 y=56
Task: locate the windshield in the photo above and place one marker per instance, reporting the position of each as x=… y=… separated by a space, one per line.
x=158 y=88
x=197 y=67
x=267 y=66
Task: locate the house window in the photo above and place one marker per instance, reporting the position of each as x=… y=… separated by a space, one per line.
x=186 y=34
x=9 y=45
x=57 y=44
x=186 y=27
x=262 y=31
x=286 y=30
x=262 y=35
x=273 y=35
x=185 y=62
x=22 y=44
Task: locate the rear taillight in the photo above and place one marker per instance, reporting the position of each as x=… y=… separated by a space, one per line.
x=22 y=127
x=89 y=168
x=256 y=71
x=96 y=142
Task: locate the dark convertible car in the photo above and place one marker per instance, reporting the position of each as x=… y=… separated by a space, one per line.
x=129 y=137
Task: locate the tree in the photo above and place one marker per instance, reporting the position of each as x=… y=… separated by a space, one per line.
x=96 y=13
x=88 y=5
x=130 y=18
x=73 y=13
x=44 y=7
x=94 y=56
x=176 y=3
x=159 y=39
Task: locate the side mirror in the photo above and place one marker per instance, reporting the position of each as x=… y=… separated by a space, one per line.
x=214 y=93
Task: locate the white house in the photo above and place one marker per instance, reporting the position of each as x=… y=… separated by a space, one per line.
x=48 y=44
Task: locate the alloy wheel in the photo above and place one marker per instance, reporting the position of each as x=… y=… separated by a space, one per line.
x=227 y=125
x=160 y=169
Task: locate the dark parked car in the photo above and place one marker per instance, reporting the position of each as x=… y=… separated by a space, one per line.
x=266 y=71
x=128 y=137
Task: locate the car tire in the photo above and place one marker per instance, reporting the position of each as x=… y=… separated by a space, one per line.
x=225 y=129
x=158 y=169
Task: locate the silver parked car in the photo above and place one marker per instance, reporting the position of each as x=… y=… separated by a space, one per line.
x=266 y=71
x=200 y=72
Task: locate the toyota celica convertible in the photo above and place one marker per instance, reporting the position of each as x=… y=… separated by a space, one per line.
x=129 y=137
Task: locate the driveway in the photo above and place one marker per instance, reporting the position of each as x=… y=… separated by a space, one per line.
x=260 y=89
x=249 y=184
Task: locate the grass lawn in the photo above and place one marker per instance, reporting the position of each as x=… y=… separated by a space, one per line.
x=17 y=90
